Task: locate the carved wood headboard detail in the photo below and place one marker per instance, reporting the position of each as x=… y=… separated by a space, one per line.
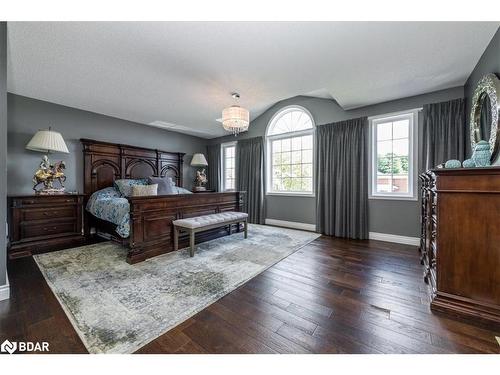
x=104 y=162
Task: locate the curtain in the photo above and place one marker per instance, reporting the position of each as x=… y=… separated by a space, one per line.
x=214 y=167
x=250 y=177
x=443 y=133
x=485 y=120
x=342 y=179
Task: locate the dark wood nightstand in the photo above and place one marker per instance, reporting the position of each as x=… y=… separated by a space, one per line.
x=42 y=223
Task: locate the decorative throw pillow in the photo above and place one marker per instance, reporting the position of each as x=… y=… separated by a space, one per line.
x=144 y=190
x=165 y=185
x=124 y=186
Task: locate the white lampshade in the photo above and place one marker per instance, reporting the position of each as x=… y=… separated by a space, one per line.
x=235 y=119
x=47 y=141
x=199 y=160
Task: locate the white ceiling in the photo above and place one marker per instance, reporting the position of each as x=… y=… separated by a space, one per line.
x=182 y=73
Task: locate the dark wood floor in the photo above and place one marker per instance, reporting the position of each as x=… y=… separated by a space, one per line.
x=332 y=296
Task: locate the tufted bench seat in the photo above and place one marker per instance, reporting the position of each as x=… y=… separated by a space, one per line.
x=200 y=223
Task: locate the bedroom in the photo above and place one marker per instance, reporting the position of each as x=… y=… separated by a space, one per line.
x=291 y=193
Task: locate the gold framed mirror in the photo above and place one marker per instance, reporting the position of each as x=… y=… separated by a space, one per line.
x=484 y=115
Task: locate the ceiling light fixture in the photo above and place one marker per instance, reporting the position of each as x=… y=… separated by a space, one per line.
x=235 y=119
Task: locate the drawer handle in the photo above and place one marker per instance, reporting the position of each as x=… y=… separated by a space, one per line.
x=47 y=229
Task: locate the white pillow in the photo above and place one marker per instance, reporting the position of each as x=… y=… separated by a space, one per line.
x=144 y=190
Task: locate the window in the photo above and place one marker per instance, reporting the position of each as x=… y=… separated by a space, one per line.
x=393 y=164
x=228 y=166
x=290 y=152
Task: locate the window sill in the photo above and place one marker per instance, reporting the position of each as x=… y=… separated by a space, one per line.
x=291 y=195
x=393 y=198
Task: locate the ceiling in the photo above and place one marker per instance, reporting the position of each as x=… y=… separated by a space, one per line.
x=181 y=74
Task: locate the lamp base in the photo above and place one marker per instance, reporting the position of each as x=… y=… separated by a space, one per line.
x=51 y=191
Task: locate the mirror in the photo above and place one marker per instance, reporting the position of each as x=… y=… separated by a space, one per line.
x=485 y=114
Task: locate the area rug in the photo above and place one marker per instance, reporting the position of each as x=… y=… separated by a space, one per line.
x=117 y=308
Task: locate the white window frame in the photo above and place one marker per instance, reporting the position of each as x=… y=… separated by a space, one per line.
x=412 y=116
x=269 y=155
x=223 y=164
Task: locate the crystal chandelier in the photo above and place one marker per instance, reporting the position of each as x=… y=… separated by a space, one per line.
x=235 y=119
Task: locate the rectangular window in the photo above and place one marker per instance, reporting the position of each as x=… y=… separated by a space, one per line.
x=291 y=164
x=393 y=163
x=228 y=166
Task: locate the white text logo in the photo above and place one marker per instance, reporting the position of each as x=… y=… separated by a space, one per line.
x=21 y=346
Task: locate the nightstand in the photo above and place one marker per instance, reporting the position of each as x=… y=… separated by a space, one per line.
x=42 y=223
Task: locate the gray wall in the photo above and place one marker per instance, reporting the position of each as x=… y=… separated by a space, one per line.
x=26 y=116
x=488 y=63
x=3 y=149
x=324 y=111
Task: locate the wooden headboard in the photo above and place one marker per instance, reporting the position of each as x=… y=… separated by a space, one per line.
x=104 y=162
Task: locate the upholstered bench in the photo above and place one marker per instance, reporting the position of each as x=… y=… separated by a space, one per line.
x=193 y=225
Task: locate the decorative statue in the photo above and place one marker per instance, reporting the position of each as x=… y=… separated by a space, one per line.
x=47 y=174
x=200 y=180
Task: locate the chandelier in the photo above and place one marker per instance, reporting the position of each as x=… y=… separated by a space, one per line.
x=235 y=119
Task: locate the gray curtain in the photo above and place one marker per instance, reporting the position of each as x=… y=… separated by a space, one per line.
x=485 y=120
x=250 y=176
x=342 y=179
x=443 y=133
x=214 y=175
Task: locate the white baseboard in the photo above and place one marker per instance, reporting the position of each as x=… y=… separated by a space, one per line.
x=5 y=289
x=291 y=224
x=414 y=241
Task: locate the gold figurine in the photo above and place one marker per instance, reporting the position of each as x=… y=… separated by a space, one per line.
x=47 y=174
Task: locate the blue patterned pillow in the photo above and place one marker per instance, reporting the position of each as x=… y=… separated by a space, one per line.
x=124 y=186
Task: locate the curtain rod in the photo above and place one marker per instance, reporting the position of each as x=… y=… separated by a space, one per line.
x=395 y=113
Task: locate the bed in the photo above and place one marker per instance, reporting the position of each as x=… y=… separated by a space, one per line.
x=148 y=229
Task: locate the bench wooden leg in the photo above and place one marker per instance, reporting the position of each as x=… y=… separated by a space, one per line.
x=191 y=243
x=245 y=223
x=176 y=238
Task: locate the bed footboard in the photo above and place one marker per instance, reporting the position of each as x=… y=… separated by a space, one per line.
x=151 y=228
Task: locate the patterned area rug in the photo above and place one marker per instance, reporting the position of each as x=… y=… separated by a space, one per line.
x=117 y=308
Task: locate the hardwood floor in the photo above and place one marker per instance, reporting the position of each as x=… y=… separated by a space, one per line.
x=332 y=296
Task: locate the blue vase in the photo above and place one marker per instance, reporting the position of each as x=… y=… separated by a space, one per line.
x=469 y=163
x=453 y=164
x=482 y=155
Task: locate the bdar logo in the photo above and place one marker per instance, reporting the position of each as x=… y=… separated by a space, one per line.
x=8 y=347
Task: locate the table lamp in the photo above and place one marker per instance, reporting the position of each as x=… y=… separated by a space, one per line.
x=48 y=141
x=199 y=160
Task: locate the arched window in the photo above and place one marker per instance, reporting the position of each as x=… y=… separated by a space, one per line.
x=290 y=151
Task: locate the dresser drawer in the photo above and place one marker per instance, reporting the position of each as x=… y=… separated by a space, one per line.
x=40 y=230
x=48 y=213
x=45 y=200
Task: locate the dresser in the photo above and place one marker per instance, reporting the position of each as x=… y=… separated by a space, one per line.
x=41 y=223
x=460 y=241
